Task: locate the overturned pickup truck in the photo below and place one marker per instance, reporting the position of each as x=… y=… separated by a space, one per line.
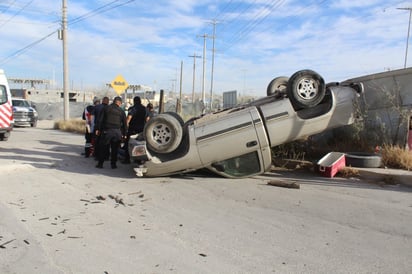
x=236 y=142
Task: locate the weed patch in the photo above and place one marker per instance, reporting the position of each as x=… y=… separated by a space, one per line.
x=396 y=157
x=75 y=125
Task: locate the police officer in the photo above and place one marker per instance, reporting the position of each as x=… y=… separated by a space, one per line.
x=111 y=127
x=137 y=116
x=98 y=109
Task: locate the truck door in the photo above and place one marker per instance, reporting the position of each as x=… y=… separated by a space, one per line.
x=235 y=144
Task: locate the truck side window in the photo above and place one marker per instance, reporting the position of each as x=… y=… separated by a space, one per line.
x=244 y=165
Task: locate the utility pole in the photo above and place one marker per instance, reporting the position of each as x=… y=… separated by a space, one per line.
x=204 y=68
x=65 y=62
x=407 y=37
x=179 y=104
x=214 y=22
x=194 y=74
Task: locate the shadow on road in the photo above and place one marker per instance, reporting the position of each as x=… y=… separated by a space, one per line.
x=62 y=156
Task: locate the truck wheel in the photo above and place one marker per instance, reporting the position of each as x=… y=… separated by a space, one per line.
x=4 y=136
x=277 y=87
x=34 y=124
x=163 y=133
x=177 y=116
x=305 y=89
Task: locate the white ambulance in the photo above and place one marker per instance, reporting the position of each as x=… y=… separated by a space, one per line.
x=6 y=109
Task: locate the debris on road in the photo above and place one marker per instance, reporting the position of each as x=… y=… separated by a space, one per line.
x=117 y=199
x=279 y=183
x=100 y=198
x=3 y=245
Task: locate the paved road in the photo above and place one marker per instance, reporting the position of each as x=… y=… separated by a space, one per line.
x=59 y=214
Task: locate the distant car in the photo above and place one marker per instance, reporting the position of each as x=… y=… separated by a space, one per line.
x=236 y=142
x=24 y=113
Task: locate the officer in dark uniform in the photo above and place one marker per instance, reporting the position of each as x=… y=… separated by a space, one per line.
x=111 y=128
x=97 y=112
x=137 y=116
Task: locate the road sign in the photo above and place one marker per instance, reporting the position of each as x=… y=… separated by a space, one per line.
x=119 y=84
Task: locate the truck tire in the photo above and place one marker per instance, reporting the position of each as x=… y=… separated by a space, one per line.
x=277 y=87
x=363 y=159
x=177 y=116
x=163 y=133
x=4 y=136
x=305 y=89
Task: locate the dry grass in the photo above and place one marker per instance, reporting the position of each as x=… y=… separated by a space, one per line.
x=75 y=125
x=348 y=172
x=396 y=157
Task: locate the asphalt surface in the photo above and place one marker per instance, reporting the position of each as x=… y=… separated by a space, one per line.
x=59 y=214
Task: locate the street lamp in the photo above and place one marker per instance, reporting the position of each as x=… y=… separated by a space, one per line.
x=407 y=39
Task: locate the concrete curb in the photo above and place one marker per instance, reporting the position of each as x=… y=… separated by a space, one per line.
x=386 y=176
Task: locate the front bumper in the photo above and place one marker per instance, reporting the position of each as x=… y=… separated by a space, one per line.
x=24 y=118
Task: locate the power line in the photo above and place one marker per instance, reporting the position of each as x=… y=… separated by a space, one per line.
x=259 y=18
x=99 y=10
x=17 y=13
x=76 y=20
x=20 y=51
x=223 y=9
x=7 y=7
x=234 y=10
x=243 y=30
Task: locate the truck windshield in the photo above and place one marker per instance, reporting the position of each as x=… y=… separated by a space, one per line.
x=3 y=95
x=21 y=103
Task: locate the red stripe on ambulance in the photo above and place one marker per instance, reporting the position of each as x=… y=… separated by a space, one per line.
x=6 y=115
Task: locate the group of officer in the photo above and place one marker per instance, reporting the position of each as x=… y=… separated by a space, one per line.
x=111 y=126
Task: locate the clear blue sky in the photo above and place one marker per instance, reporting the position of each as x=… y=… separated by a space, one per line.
x=255 y=41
